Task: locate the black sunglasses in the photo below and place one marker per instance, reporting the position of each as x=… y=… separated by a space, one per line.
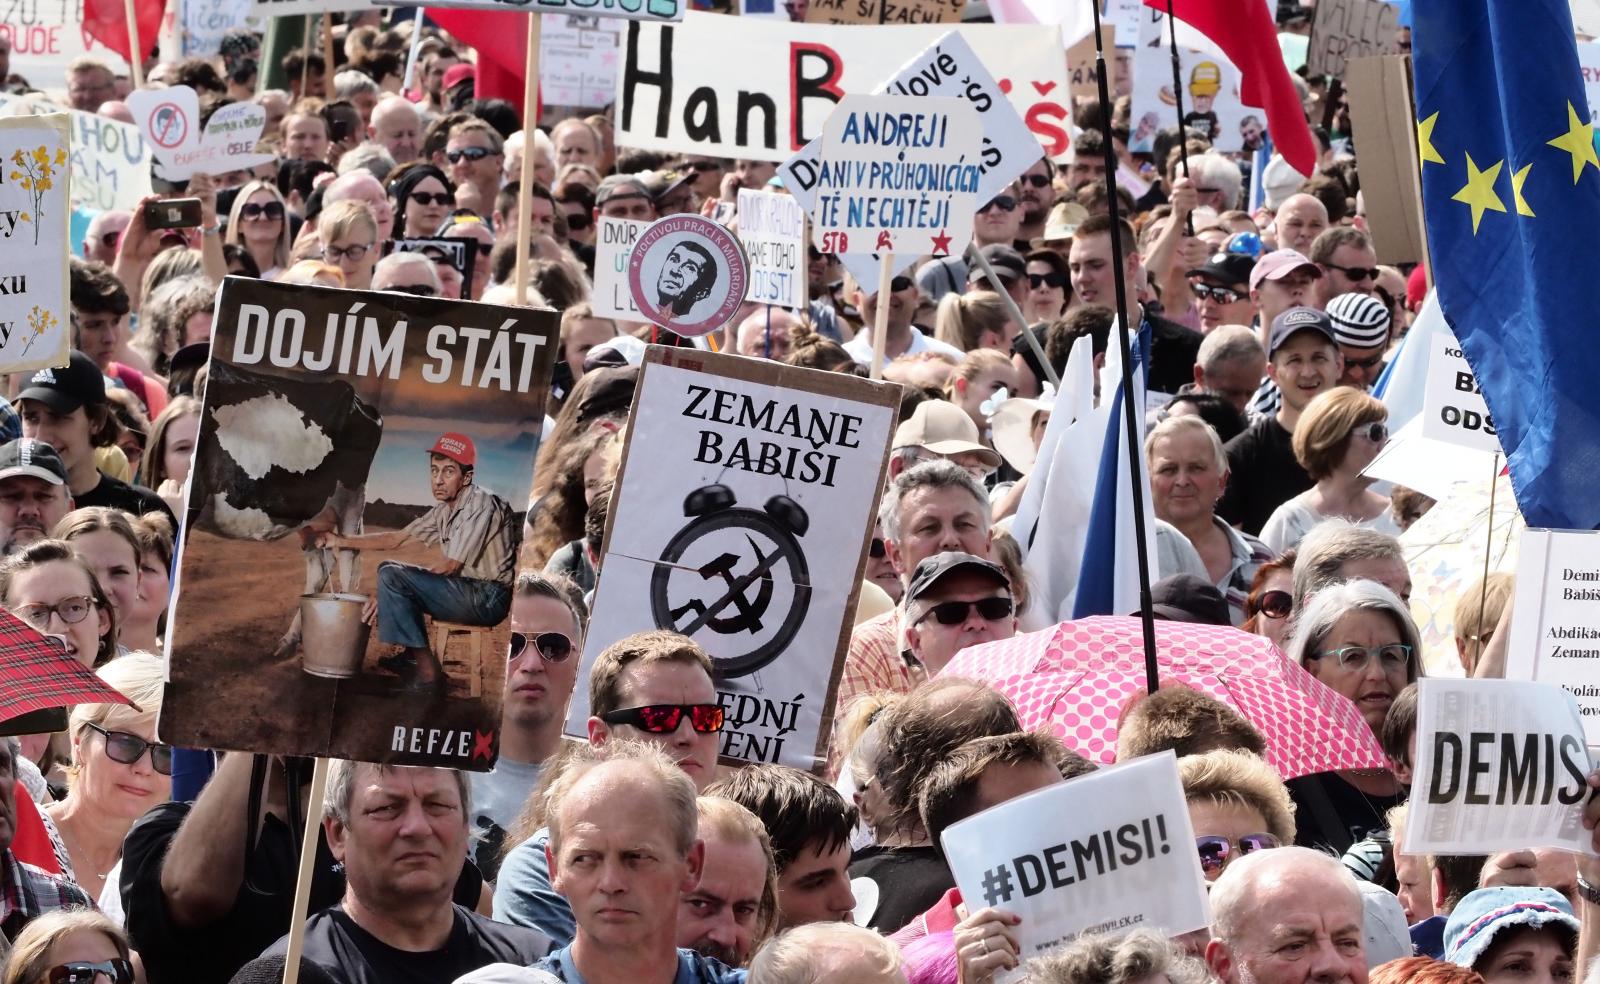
x=553 y=646
x=272 y=210
x=1355 y=273
x=1222 y=295
x=118 y=970
x=877 y=550
x=663 y=719
x=433 y=197
x=415 y=290
x=578 y=221
x=1275 y=604
x=1004 y=203
x=955 y=612
x=1052 y=279
x=470 y=153
x=128 y=749
x=1036 y=180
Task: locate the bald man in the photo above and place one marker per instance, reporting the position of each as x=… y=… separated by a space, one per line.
x=754 y=339
x=1290 y=915
x=396 y=125
x=361 y=186
x=1300 y=220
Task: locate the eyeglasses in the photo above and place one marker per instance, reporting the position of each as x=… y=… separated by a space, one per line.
x=578 y=221
x=269 y=210
x=1377 y=432
x=1276 y=604
x=433 y=197
x=128 y=749
x=1371 y=362
x=351 y=253
x=1052 y=279
x=877 y=551
x=470 y=153
x=415 y=290
x=553 y=646
x=1394 y=656
x=663 y=719
x=1004 y=203
x=71 y=610
x=116 y=970
x=1355 y=273
x=955 y=612
x=1216 y=852
x=1221 y=295
x=1036 y=180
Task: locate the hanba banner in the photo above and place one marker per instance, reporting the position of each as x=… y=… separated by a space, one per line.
x=741 y=518
x=355 y=511
x=35 y=212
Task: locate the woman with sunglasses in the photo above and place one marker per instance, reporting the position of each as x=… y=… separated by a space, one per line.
x=75 y=946
x=1339 y=434
x=1359 y=639
x=1271 y=599
x=259 y=221
x=423 y=197
x=53 y=589
x=118 y=772
x=1237 y=805
x=1049 y=286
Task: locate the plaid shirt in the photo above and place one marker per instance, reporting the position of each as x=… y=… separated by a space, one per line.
x=26 y=893
x=874 y=664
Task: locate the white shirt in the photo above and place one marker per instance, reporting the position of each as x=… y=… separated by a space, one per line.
x=1295 y=518
x=860 y=347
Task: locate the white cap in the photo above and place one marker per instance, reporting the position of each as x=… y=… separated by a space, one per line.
x=504 y=973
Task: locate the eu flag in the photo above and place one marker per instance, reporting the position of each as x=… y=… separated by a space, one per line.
x=1511 y=198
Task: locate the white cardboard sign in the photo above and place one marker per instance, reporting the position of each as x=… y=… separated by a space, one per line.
x=170 y=121
x=1107 y=852
x=1555 y=622
x=639 y=10
x=1453 y=407
x=612 y=298
x=110 y=159
x=35 y=206
x=1500 y=766
x=772 y=229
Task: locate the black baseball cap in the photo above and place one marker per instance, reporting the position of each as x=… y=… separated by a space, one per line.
x=1227 y=268
x=1188 y=598
x=932 y=569
x=33 y=459
x=1295 y=320
x=66 y=388
x=1007 y=262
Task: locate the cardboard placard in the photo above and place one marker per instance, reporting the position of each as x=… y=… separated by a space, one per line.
x=612 y=247
x=898 y=174
x=884 y=11
x=578 y=59
x=1210 y=99
x=110 y=159
x=1555 y=621
x=640 y=10
x=1080 y=70
x=1500 y=766
x=169 y=118
x=460 y=255
x=204 y=22
x=46 y=36
x=760 y=89
x=1453 y=407
x=1111 y=851
x=1346 y=29
x=1379 y=92
x=766 y=582
x=35 y=208
x=772 y=229
x=355 y=410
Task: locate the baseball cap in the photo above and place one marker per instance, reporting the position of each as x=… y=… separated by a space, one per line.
x=1360 y=320
x=1280 y=263
x=929 y=572
x=1007 y=262
x=1384 y=925
x=1188 y=598
x=66 y=388
x=458 y=73
x=457 y=447
x=1229 y=268
x=1295 y=320
x=1479 y=917
x=1063 y=221
x=620 y=186
x=943 y=428
x=34 y=459
x=663 y=183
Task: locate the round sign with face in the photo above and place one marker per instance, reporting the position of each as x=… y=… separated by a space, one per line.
x=687 y=274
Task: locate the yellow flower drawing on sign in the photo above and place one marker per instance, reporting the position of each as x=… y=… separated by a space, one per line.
x=36 y=171
x=40 y=321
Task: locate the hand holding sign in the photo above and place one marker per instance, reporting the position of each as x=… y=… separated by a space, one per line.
x=170 y=120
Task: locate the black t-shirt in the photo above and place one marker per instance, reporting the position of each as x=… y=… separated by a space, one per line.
x=351 y=955
x=117 y=494
x=1173 y=350
x=212 y=954
x=910 y=880
x=1331 y=814
x=1262 y=475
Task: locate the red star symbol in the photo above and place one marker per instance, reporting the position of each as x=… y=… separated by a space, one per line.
x=941 y=243
x=482 y=745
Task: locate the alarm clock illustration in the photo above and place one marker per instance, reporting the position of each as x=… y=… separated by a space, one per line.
x=742 y=560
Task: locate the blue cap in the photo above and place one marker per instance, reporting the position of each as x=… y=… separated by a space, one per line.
x=1482 y=914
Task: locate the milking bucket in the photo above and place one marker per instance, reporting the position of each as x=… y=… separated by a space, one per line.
x=333 y=638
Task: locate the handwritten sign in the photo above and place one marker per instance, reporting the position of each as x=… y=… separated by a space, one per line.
x=642 y=10
x=35 y=320
x=884 y=11
x=772 y=229
x=1346 y=29
x=170 y=120
x=206 y=21
x=300 y=8
x=1453 y=407
x=46 y=36
x=1500 y=766
x=110 y=160
x=578 y=59
x=1555 y=622
x=612 y=298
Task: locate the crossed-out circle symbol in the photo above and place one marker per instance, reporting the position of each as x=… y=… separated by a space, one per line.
x=168 y=125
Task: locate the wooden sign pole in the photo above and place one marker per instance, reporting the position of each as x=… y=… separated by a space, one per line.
x=530 y=122
x=135 y=63
x=302 y=885
x=880 y=320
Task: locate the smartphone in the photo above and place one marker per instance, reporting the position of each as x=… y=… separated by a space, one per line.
x=173 y=213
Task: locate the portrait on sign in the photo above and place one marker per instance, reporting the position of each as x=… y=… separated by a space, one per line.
x=687 y=274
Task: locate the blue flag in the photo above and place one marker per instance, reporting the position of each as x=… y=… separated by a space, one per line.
x=1511 y=197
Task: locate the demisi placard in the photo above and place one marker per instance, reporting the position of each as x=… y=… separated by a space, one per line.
x=35 y=319
x=362 y=455
x=1453 y=407
x=687 y=274
x=741 y=517
x=1555 y=621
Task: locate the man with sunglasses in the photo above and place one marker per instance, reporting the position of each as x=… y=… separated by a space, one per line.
x=407 y=273
x=26 y=892
x=1037 y=193
x=473 y=153
x=1347 y=261
x=900 y=337
x=1222 y=289
x=956 y=600
x=1362 y=324
x=999 y=219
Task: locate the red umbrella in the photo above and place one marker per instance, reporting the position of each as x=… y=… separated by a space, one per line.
x=1075 y=678
x=36 y=673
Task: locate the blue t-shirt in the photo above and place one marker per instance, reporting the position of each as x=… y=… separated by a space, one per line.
x=523 y=895
x=692 y=969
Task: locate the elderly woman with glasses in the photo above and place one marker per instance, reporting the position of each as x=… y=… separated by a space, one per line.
x=73 y=946
x=118 y=771
x=1359 y=639
x=1338 y=436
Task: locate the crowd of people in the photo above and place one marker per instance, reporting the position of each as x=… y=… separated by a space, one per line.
x=633 y=855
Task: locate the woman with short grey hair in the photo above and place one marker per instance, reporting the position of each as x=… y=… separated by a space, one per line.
x=1136 y=958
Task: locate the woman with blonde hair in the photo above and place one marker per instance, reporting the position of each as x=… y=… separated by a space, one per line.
x=71 y=946
x=975 y=320
x=1339 y=434
x=976 y=379
x=348 y=234
x=259 y=221
x=312 y=273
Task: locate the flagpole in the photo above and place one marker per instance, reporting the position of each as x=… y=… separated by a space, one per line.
x=1130 y=418
x=135 y=62
x=1177 y=99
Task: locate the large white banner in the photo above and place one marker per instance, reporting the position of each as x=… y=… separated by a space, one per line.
x=35 y=321
x=760 y=89
x=740 y=518
x=110 y=159
x=578 y=59
x=1555 y=622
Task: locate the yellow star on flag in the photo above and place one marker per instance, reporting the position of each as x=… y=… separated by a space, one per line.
x=1425 y=141
x=1479 y=191
x=1518 y=179
x=1577 y=141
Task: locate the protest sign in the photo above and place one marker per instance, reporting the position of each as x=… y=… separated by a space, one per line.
x=169 y=118
x=1210 y=99
x=1589 y=65
x=1378 y=90
x=204 y=22
x=110 y=159
x=302 y=8
x=35 y=319
x=578 y=58
x=949 y=67
x=1453 y=407
x=1555 y=622
x=1346 y=29
x=641 y=10
x=458 y=254
x=612 y=248
x=688 y=274
x=1081 y=72
x=884 y=11
x=776 y=469
x=760 y=89
x=1500 y=765
x=45 y=37
x=1111 y=851
x=772 y=229
x=330 y=414
x=897 y=173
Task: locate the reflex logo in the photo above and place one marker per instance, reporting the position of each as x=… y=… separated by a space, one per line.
x=473 y=744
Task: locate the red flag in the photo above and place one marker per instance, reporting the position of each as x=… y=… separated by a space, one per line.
x=1247 y=35
x=501 y=40
x=106 y=21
